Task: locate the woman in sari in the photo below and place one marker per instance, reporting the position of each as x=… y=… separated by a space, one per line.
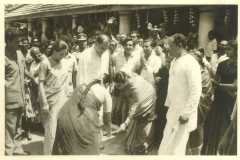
x=228 y=144
x=140 y=96
x=79 y=125
x=219 y=117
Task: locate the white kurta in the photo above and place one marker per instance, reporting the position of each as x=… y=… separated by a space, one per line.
x=70 y=63
x=92 y=66
x=184 y=91
x=153 y=63
x=151 y=67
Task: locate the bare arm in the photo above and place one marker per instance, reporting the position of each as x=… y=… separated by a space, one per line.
x=107 y=110
x=42 y=95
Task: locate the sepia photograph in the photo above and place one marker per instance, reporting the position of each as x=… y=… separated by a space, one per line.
x=120 y=79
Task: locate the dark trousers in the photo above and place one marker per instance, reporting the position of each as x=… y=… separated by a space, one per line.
x=12 y=117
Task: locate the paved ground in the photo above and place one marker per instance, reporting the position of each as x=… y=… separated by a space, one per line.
x=112 y=145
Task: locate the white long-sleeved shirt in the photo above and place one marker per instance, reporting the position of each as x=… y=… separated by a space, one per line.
x=153 y=63
x=91 y=66
x=184 y=90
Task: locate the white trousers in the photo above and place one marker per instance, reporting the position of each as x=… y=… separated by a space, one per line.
x=174 y=140
x=50 y=125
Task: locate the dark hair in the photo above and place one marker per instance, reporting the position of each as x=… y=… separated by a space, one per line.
x=106 y=78
x=202 y=51
x=192 y=41
x=124 y=42
x=120 y=77
x=135 y=32
x=149 y=41
x=180 y=40
x=59 y=45
x=212 y=33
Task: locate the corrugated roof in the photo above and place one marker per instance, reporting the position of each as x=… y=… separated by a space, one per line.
x=36 y=9
x=51 y=10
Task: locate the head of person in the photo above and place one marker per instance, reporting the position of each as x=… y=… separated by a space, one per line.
x=211 y=35
x=36 y=54
x=177 y=44
x=122 y=38
x=118 y=37
x=66 y=39
x=49 y=50
x=74 y=39
x=192 y=41
x=134 y=36
x=232 y=50
x=128 y=46
x=82 y=41
x=43 y=47
x=101 y=43
x=162 y=29
x=140 y=41
x=222 y=47
x=120 y=80
x=155 y=32
x=59 y=50
x=147 y=47
x=24 y=45
x=12 y=38
x=36 y=42
x=112 y=46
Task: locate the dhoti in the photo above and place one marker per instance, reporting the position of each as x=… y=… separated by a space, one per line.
x=174 y=140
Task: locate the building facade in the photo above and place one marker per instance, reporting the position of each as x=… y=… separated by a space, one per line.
x=46 y=20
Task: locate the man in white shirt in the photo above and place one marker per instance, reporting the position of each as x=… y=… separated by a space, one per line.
x=152 y=62
x=70 y=63
x=184 y=91
x=94 y=61
x=211 y=46
x=220 y=56
x=134 y=36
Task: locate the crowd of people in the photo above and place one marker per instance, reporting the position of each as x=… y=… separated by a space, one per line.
x=160 y=91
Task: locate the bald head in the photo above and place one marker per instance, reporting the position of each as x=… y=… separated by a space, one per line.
x=35 y=53
x=102 y=38
x=101 y=43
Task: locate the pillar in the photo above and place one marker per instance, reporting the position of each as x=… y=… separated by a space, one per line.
x=44 y=27
x=206 y=23
x=74 y=24
x=124 y=22
x=29 y=27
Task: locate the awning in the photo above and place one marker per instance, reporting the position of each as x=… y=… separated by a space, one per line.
x=30 y=11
